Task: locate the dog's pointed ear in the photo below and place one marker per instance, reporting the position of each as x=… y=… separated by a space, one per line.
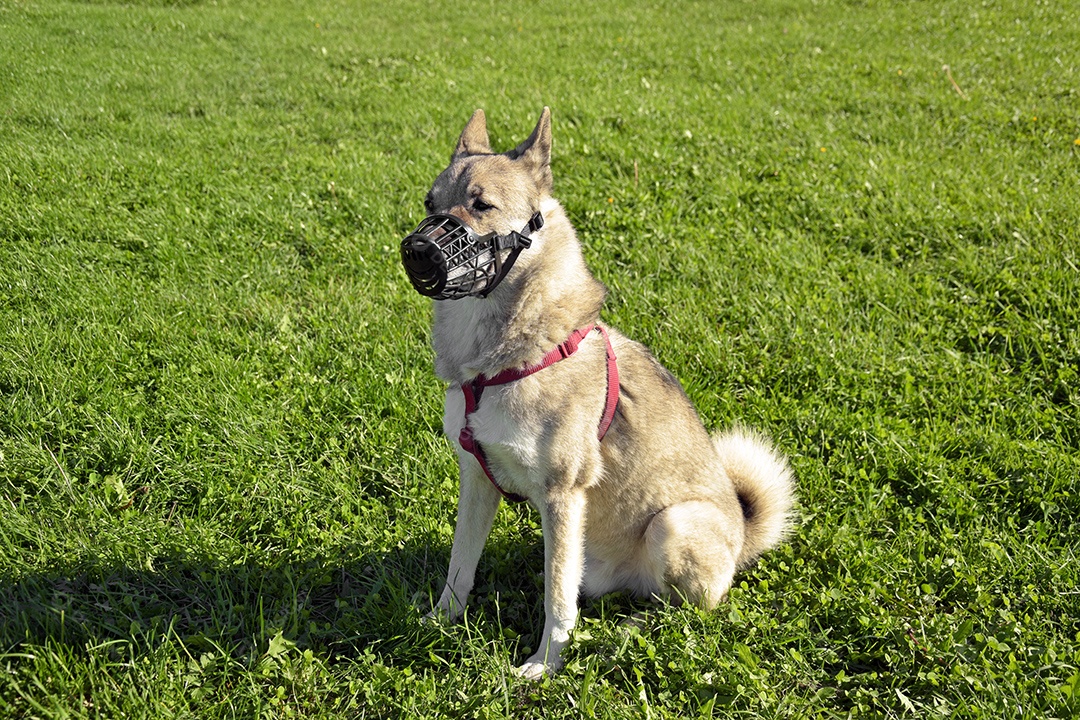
x=474 y=138
x=536 y=151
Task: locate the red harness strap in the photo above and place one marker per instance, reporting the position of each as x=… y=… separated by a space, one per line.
x=475 y=388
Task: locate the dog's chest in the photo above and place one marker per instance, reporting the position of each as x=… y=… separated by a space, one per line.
x=509 y=437
x=459 y=334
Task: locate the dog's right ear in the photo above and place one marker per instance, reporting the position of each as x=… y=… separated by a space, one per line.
x=474 y=138
x=536 y=150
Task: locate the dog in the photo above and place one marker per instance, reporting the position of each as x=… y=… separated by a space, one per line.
x=547 y=404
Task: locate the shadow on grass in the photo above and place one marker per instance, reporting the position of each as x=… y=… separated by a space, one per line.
x=339 y=603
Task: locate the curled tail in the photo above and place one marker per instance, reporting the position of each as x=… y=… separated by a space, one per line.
x=765 y=486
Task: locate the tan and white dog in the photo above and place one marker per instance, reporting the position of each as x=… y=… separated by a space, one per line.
x=657 y=506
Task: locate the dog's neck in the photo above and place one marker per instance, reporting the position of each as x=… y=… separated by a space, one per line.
x=549 y=294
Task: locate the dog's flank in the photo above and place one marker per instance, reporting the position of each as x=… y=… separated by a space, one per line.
x=657 y=506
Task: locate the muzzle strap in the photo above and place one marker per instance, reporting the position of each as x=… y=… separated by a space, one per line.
x=518 y=241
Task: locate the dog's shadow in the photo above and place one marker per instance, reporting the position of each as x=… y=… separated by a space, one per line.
x=340 y=603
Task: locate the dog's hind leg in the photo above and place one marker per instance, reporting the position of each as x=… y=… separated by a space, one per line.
x=477 y=505
x=692 y=548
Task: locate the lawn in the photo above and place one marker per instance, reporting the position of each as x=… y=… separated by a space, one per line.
x=224 y=493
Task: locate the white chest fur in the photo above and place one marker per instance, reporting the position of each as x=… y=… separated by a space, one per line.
x=509 y=441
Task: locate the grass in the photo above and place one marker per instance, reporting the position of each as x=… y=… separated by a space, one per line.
x=224 y=491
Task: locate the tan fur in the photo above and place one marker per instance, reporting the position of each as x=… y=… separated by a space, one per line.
x=658 y=507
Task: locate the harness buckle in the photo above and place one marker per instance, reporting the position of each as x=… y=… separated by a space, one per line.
x=466 y=440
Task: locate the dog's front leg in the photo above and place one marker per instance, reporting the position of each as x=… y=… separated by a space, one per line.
x=477 y=504
x=562 y=517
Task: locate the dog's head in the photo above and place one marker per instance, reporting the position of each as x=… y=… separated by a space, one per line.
x=489 y=192
x=482 y=210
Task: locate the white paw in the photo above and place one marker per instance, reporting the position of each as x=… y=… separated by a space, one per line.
x=532 y=670
x=440 y=615
x=535 y=668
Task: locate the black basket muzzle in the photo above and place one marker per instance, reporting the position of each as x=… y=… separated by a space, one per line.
x=446 y=260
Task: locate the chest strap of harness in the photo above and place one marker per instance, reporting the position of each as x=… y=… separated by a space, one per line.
x=475 y=388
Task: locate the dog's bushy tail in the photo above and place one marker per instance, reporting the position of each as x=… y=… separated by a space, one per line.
x=765 y=486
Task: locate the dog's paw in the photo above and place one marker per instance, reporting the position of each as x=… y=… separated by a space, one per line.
x=535 y=668
x=443 y=613
x=532 y=670
x=448 y=609
x=434 y=617
x=441 y=616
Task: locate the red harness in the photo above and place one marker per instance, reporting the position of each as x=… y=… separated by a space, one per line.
x=475 y=388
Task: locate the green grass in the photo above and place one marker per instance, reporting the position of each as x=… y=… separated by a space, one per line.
x=223 y=491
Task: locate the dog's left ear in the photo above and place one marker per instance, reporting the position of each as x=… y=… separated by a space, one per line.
x=536 y=151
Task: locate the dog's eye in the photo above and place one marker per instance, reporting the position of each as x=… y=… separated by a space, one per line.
x=429 y=203
x=480 y=206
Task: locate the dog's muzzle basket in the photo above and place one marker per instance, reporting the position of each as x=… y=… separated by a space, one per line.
x=446 y=260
